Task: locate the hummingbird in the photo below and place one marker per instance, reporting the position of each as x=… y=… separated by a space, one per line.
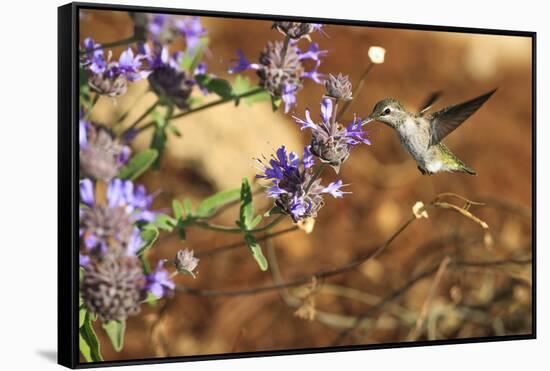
x=421 y=133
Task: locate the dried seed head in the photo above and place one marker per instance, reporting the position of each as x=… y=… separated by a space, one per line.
x=377 y=54
x=295 y=30
x=111 y=228
x=168 y=82
x=113 y=288
x=338 y=87
x=109 y=86
x=185 y=262
x=329 y=149
x=100 y=158
x=278 y=71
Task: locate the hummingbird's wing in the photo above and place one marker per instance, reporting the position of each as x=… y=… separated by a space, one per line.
x=443 y=122
x=430 y=99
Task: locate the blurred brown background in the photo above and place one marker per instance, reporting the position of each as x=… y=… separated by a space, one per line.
x=216 y=151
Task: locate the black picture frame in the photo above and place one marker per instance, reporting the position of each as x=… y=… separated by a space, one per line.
x=68 y=238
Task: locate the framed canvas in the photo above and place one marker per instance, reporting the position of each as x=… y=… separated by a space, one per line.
x=241 y=185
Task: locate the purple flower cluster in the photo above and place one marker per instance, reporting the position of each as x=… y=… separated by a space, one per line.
x=101 y=154
x=168 y=79
x=165 y=28
x=296 y=190
x=159 y=282
x=109 y=77
x=108 y=230
x=330 y=141
x=281 y=68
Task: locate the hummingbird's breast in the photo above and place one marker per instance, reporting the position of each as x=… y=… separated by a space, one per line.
x=414 y=135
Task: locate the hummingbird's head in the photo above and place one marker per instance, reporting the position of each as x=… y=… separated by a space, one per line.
x=389 y=111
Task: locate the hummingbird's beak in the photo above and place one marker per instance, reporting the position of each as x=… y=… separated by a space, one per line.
x=366 y=120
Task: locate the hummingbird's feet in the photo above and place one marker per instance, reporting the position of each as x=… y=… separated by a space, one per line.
x=424 y=171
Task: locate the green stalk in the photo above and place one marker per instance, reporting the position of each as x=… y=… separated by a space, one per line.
x=225 y=229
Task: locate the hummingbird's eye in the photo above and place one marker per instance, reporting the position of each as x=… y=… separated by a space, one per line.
x=387 y=111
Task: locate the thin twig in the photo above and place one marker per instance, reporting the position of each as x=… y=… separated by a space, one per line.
x=205 y=106
x=130 y=40
x=427 y=303
x=399 y=292
x=231 y=246
x=356 y=91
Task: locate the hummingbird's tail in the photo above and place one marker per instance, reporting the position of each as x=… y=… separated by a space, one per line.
x=468 y=170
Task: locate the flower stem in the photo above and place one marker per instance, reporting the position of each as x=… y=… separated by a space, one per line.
x=92 y=105
x=356 y=91
x=316 y=175
x=225 y=229
x=284 y=50
x=129 y=40
x=205 y=106
x=140 y=118
x=127 y=112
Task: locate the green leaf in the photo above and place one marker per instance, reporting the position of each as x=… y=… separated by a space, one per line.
x=115 y=330
x=158 y=141
x=181 y=229
x=191 y=60
x=258 y=97
x=138 y=164
x=84 y=89
x=145 y=264
x=275 y=210
x=215 y=85
x=149 y=235
x=255 y=222
x=175 y=131
x=242 y=85
x=246 y=210
x=256 y=251
x=88 y=342
x=188 y=207
x=151 y=299
x=177 y=209
x=165 y=222
x=275 y=103
x=209 y=205
x=81 y=316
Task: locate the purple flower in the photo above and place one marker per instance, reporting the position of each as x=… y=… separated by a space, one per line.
x=297 y=30
x=133 y=198
x=168 y=79
x=193 y=30
x=159 y=282
x=281 y=71
x=164 y=28
x=293 y=186
x=101 y=154
x=330 y=141
x=109 y=77
x=84 y=260
x=83 y=127
x=109 y=228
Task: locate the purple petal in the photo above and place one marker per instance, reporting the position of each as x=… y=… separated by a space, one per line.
x=242 y=64
x=135 y=243
x=307 y=159
x=334 y=189
x=84 y=260
x=307 y=123
x=313 y=53
x=326 y=109
x=87 y=192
